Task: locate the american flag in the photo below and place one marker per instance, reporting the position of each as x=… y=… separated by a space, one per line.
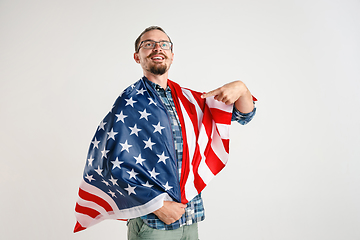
x=131 y=165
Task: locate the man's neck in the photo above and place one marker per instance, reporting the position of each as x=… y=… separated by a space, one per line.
x=158 y=79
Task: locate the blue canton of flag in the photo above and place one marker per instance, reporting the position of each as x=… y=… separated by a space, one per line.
x=131 y=164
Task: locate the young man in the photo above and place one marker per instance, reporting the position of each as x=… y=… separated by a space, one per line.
x=158 y=148
x=153 y=51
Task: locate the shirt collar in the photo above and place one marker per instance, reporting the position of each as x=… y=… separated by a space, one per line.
x=156 y=86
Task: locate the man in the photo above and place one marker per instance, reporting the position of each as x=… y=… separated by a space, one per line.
x=158 y=148
x=153 y=51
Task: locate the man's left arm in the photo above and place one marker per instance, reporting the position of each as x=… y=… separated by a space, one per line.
x=235 y=92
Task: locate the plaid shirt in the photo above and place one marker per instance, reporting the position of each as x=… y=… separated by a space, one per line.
x=194 y=212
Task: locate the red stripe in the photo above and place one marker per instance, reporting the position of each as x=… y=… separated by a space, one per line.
x=198 y=182
x=176 y=91
x=197 y=96
x=207 y=121
x=86 y=211
x=78 y=227
x=191 y=110
x=213 y=162
x=226 y=143
x=220 y=116
x=93 y=198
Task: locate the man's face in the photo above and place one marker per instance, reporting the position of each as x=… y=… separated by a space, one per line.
x=157 y=60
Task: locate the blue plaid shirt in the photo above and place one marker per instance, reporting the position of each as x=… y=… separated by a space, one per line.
x=194 y=212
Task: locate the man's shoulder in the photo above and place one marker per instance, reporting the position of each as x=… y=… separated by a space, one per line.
x=131 y=89
x=128 y=95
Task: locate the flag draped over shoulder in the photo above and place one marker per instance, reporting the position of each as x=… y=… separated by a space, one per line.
x=131 y=166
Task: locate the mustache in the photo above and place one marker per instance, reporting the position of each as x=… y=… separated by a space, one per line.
x=153 y=54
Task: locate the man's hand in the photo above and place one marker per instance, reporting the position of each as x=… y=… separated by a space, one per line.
x=234 y=92
x=170 y=212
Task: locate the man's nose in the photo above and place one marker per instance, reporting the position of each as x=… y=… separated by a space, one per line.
x=157 y=47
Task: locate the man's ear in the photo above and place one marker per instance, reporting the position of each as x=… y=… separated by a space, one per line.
x=136 y=57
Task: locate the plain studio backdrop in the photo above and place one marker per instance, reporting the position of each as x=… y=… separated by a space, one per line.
x=293 y=171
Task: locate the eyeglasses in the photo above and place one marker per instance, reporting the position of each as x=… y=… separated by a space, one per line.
x=150 y=44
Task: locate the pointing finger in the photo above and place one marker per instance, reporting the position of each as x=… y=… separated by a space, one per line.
x=210 y=94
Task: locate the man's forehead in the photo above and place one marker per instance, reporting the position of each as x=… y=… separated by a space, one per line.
x=156 y=35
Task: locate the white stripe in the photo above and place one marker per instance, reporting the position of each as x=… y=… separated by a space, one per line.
x=190 y=132
x=212 y=103
x=97 y=192
x=224 y=130
x=218 y=146
x=92 y=205
x=149 y=207
x=205 y=172
x=86 y=221
x=190 y=190
x=190 y=97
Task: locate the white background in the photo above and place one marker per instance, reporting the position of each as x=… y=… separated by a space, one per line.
x=293 y=171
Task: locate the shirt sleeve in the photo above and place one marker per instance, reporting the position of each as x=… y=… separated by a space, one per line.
x=242 y=118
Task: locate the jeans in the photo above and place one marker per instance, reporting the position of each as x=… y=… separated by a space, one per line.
x=138 y=230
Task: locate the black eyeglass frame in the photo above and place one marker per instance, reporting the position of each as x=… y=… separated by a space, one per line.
x=171 y=44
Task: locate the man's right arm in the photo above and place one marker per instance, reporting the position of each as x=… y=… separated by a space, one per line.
x=243 y=118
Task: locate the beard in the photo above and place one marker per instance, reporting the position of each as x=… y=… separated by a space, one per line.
x=158 y=69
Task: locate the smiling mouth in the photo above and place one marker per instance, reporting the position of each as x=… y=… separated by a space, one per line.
x=157 y=57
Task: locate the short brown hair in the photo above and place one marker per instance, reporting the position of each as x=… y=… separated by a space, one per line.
x=137 y=41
